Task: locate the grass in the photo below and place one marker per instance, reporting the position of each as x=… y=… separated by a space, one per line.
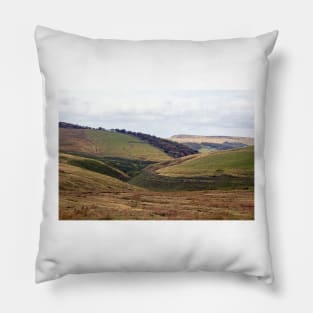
x=75 y=140
x=224 y=170
x=127 y=167
x=77 y=180
x=236 y=162
x=150 y=180
x=108 y=144
x=124 y=146
x=145 y=174
x=131 y=168
x=114 y=176
x=86 y=195
x=94 y=165
x=214 y=171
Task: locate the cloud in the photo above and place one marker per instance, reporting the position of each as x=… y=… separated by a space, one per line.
x=164 y=113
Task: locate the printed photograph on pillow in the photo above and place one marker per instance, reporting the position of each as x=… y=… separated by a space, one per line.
x=155 y=155
x=169 y=154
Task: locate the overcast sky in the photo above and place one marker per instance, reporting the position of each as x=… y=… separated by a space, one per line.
x=162 y=113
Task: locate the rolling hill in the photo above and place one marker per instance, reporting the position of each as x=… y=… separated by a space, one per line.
x=236 y=162
x=171 y=148
x=212 y=139
x=75 y=179
x=87 y=195
x=212 y=143
x=94 y=165
x=123 y=169
x=104 y=143
x=215 y=170
x=118 y=174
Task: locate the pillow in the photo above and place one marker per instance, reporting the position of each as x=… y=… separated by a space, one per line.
x=155 y=155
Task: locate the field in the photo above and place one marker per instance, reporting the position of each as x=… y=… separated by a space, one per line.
x=106 y=175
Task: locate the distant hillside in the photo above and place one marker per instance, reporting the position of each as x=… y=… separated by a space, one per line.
x=212 y=139
x=172 y=148
x=209 y=143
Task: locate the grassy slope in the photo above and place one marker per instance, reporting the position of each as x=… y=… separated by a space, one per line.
x=78 y=180
x=87 y=190
x=120 y=168
x=94 y=165
x=237 y=162
x=86 y=195
x=75 y=140
x=89 y=195
x=104 y=143
x=225 y=170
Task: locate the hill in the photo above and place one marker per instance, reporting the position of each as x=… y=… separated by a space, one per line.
x=171 y=148
x=212 y=139
x=103 y=143
x=82 y=193
x=86 y=195
x=75 y=179
x=94 y=165
x=123 y=169
x=118 y=174
x=211 y=143
x=236 y=162
x=226 y=170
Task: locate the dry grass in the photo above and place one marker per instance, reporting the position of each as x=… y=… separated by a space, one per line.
x=87 y=195
x=145 y=205
x=76 y=140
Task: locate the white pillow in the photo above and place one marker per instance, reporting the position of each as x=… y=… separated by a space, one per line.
x=200 y=197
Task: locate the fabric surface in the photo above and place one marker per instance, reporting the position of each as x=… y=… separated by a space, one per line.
x=126 y=189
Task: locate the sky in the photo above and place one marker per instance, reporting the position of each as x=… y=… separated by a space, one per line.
x=162 y=113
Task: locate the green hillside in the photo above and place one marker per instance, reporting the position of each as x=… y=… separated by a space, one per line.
x=108 y=144
x=120 y=168
x=231 y=169
x=237 y=162
x=94 y=165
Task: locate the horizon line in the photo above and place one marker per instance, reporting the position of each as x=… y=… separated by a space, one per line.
x=110 y=129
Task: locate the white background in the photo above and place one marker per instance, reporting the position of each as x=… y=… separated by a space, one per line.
x=289 y=156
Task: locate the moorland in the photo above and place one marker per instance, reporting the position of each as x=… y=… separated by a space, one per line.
x=119 y=174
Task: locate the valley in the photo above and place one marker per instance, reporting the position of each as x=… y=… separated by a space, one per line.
x=118 y=175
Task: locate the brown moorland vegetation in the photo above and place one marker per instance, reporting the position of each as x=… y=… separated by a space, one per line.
x=86 y=195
